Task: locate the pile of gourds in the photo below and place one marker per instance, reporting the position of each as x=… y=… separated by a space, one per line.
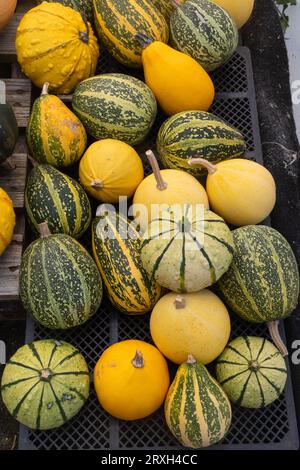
x=177 y=237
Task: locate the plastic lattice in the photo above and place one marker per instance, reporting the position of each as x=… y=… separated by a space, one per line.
x=273 y=427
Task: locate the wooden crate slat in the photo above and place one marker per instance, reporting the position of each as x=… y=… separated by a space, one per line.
x=8 y=38
x=18 y=95
x=14 y=181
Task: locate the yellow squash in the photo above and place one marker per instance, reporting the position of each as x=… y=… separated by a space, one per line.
x=178 y=82
x=196 y=323
x=243 y=192
x=7 y=220
x=240 y=10
x=110 y=169
x=131 y=379
x=165 y=187
x=55 y=45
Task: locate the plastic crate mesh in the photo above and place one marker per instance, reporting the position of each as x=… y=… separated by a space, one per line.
x=92 y=428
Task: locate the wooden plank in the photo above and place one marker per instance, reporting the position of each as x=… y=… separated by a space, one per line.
x=14 y=181
x=18 y=94
x=8 y=38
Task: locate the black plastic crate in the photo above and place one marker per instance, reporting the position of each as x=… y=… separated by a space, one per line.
x=273 y=427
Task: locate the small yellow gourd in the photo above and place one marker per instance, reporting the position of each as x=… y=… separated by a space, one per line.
x=196 y=323
x=131 y=379
x=164 y=188
x=110 y=169
x=54 y=44
x=178 y=82
x=7 y=220
x=243 y=192
x=240 y=10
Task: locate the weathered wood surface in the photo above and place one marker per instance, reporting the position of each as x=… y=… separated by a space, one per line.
x=18 y=95
x=13 y=181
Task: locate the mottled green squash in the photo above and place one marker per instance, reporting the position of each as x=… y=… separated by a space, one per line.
x=85 y=7
x=8 y=131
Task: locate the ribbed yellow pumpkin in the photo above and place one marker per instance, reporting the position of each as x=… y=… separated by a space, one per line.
x=55 y=45
x=110 y=169
x=196 y=323
x=7 y=220
x=165 y=187
x=243 y=192
x=240 y=10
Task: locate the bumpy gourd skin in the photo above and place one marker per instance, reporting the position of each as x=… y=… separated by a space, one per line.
x=7 y=220
x=55 y=45
x=178 y=82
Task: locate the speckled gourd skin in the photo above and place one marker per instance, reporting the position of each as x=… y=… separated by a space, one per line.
x=45 y=403
x=188 y=261
x=115 y=106
x=197 y=410
x=197 y=134
x=58 y=199
x=204 y=31
x=60 y=285
x=262 y=283
x=84 y=7
x=252 y=372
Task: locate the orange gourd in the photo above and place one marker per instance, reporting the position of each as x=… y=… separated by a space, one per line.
x=7 y=8
x=7 y=220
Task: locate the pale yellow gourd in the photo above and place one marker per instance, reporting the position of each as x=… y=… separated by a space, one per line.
x=178 y=82
x=7 y=8
x=240 y=10
x=243 y=192
x=164 y=188
x=110 y=169
x=196 y=323
x=7 y=220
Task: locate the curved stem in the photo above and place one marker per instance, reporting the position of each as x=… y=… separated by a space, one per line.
x=138 y=360
x=44 y=230
x=97 y=184
x=33 y=162
x=205 y=163
x=191 y=360
x=45 y=89
x=179 y=302
x=84 y=36
x=161 y=184
x=275 y=335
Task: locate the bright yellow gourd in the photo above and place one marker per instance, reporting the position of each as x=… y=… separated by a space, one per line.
x=7 y=8
x=196 y=323
x=165 y=187
x=240 y=10
x=243 y=192
x=110 y=169
x=178 y=82
x=55 y=45
x=131 y=379
x=7 y=220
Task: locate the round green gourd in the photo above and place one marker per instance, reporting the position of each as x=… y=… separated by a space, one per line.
x=85 y=7
x=188 y=250
x=58 y=199
x=45 y=383
x=193 y=134
x=252 y=372
x=197 y=410
x=115 y=106
x=8 y=131
x=204 y=31
x=60 y=285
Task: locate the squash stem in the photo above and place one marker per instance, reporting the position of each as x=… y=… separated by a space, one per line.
x=161 y=184
x=275 y=335
x=45 y=89
x=175 y=3
x=33 y=162
x=84 y=36
x=191 y=360
x=44 y=230
x=179 y=302
x=97 y=184
x=143 y=39
x=138 y=360
x=205 y=163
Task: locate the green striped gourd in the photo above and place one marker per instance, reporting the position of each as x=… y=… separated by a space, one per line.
x=118 y=21
x=60 y=285
x=262 y=283
x=45 y=384
x=197 y=410
x=85 y=7
x=58 y=199
x=204 y=31
x=187 y=250
x=197 y=134
x=166 y=7
x=115 y=106
x=54 y=134
x=128 y=286
x=252 y=372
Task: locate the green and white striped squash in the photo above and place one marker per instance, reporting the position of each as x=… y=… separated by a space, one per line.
x=115 y=106
x=262 y=283
x=252 y=372
x=129 y=287
x=85 y=7
x=57 y=199
x=60 y=285
x=118 y=21
x=45 y=383
x=197 y=134
x=204 y=31
x=188 y=250
x=197 y=410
